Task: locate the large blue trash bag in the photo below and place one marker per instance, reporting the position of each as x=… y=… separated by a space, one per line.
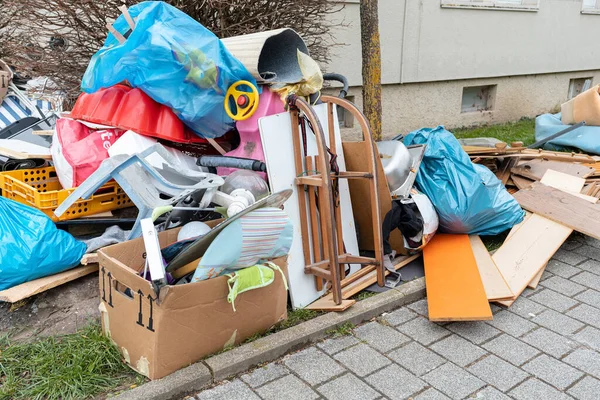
x=173 y=59
x=585 y=138
x=467 y=197
x=31 y=246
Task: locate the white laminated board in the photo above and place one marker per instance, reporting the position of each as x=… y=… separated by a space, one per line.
x=276 y=136
x=20 y=149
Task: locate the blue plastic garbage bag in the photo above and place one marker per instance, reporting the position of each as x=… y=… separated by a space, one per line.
x=467 y=197
x=173 y=59
x=586 y=138
x=31 y=246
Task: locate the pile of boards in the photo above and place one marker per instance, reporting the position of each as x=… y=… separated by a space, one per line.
x=559 y=192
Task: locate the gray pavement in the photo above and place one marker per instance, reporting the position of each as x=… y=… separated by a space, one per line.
x=546 y=346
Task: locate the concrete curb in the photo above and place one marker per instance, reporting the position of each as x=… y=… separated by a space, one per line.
x=269 y=348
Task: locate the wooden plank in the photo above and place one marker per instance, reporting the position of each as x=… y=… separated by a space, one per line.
x=357 y=285
x=327 y=304
x=562 y=181
x=505 y=169
x=20 y=149
x=477 y=150
x=521 y=182
x=528 y=250
x=535 y=169
x=37 y=286
x=493 y=282
x=563 y=208
x=536 y=279
x=454 y=288
x=534 y=282
x=43 y=133
x=90 y=258
x=532 y=154
x=371 y=278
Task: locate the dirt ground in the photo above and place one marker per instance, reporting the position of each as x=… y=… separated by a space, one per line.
x=58 y=311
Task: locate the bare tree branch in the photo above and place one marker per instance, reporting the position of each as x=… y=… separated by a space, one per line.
x=57 y=38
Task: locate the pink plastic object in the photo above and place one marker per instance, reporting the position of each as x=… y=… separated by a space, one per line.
x=269 y=103
x=78 y=150
x=132 y=109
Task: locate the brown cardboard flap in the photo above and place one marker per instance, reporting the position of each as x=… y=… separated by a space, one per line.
x=125 y=274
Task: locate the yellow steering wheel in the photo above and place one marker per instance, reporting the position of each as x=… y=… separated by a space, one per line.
x=246 y=102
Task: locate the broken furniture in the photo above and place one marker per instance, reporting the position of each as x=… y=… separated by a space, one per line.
x=320 y=215
x=144 y=185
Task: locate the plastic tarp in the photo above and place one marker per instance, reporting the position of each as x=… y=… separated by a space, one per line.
x=586 y=138
x=467 y=197
x=32 y=246
x=173 y=59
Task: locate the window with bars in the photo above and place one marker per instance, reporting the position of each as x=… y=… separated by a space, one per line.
x=516 y=5
x=590 y=7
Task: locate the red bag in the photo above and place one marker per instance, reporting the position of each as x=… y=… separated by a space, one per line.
x=78 y=150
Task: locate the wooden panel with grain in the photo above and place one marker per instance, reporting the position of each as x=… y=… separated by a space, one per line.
x=528 y=250
x=494 y=284
x=455 y=291
x=535 y=169
x=40 y=285
x=563 y=208
x=520 y=182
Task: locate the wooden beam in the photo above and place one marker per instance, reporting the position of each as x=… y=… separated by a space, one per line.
x=535 y=169
x=494 y=284
x=37 y=286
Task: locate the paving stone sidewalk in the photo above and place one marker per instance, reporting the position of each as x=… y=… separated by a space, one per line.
x=546 y=346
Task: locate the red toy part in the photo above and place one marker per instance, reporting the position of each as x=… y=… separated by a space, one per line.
x=131 y=109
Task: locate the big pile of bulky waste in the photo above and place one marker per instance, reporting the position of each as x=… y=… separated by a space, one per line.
x=215 y=187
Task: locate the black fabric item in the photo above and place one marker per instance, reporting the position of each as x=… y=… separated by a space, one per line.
x=12 y=164
x=405 y=217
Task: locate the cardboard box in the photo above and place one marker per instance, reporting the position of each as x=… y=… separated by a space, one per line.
x=185 y=323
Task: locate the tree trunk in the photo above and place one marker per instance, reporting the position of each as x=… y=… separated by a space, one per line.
x=371 y=65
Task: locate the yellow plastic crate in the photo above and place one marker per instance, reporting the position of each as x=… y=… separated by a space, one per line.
x=40 y=188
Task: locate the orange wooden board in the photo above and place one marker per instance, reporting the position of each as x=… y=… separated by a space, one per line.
x=454 y=288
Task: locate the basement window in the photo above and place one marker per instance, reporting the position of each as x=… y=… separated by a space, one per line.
x=579 y=85
x=478 y=98
x=507 y=5
x=345 y=117
x=590 y=7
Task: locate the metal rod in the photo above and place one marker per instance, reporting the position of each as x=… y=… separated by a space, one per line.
x=542 y=142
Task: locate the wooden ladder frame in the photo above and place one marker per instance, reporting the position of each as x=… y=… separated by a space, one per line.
x=325 y=227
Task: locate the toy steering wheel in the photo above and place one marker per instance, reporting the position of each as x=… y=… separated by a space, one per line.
x=246 y=102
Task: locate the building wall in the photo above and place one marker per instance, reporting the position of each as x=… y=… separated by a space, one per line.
x=423 y=42
x=412 y=106
x=430 y=53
